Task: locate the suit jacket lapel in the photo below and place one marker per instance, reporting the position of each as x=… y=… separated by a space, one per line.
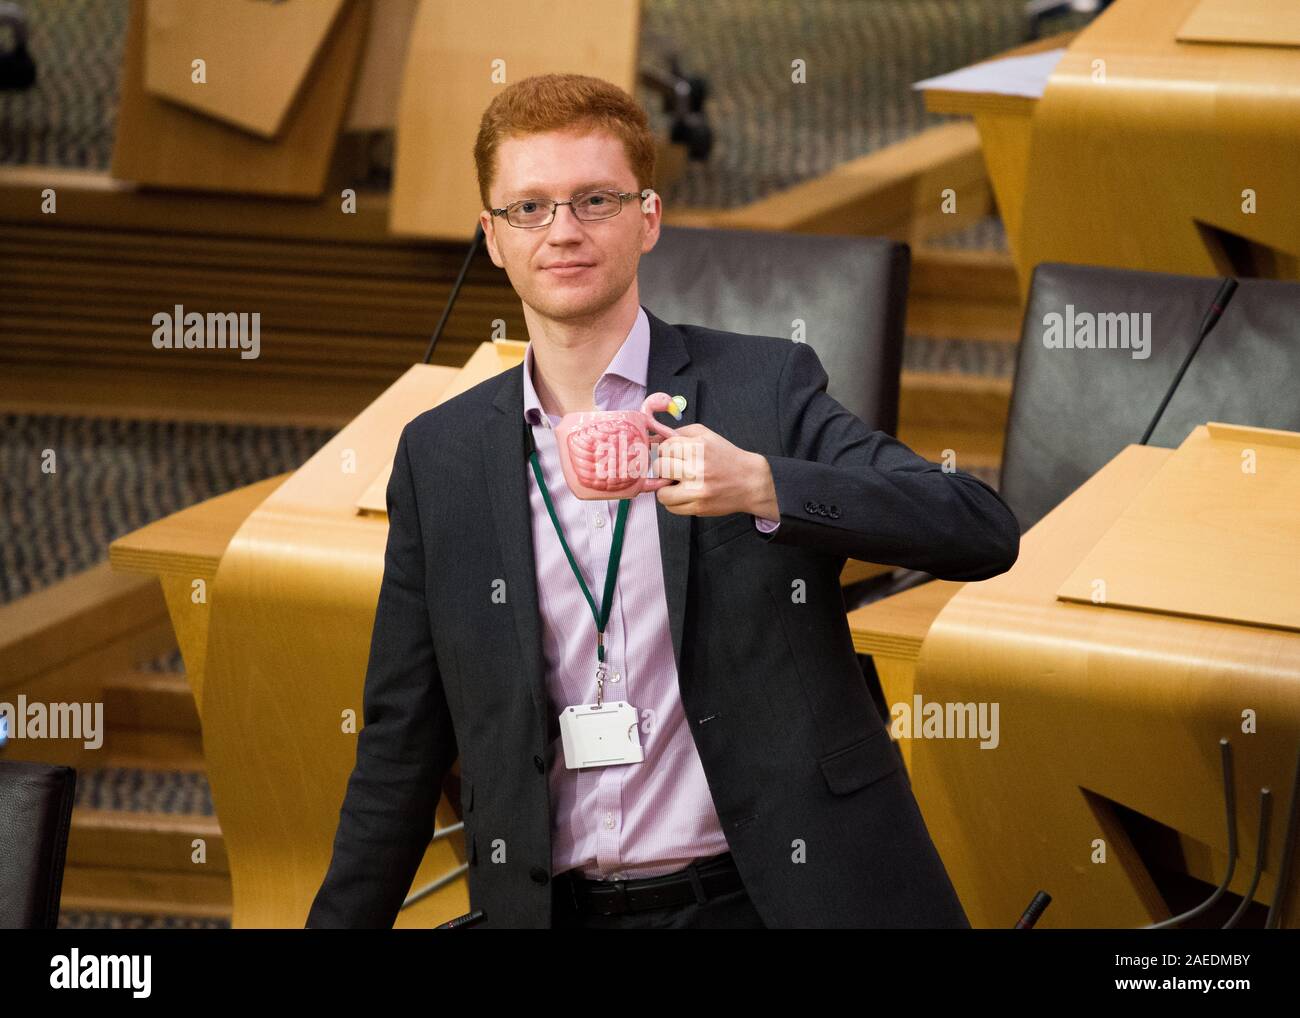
x=506 y=469
x=666 y=373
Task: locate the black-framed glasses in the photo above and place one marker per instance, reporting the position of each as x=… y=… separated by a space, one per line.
x=530 y=213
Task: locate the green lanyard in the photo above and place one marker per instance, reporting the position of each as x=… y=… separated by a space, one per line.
x=611 y=571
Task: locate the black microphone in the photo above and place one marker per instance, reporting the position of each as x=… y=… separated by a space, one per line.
x=1274 y=920
x=462 y=921
x=455 y=291
x=1226 y=289
x=1230 y=809
x=1261 y=856
x=1026 y=922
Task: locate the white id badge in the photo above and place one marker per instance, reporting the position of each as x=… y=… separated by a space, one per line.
x=594 y=736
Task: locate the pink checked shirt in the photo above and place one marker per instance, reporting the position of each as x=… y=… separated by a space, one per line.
x=624 y=821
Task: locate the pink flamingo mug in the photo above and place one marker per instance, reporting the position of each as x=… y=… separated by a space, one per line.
x=606 y=453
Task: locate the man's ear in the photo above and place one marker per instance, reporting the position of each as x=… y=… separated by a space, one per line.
x=489 y=224
x=652 y=213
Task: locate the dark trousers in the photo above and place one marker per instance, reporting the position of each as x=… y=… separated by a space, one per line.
x=730 y=911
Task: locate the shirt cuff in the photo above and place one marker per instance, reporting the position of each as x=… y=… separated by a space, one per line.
x=766 y=525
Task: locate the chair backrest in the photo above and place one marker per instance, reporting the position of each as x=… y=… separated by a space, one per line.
x=1072 y=410
x=35 y=816
x=850 y=293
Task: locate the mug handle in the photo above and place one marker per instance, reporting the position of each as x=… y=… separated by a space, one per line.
x=656 y=432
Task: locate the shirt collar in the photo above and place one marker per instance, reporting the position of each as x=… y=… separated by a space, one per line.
x=630 y=362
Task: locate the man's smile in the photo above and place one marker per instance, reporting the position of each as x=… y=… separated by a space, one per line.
x=566 y=269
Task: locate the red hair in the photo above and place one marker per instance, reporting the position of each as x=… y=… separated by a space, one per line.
x=551 y=102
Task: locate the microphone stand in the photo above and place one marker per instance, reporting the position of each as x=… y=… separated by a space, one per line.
x=455 y=291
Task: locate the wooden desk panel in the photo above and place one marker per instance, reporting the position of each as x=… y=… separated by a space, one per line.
x=256 y=56
x=1099 y=708
x=1204 y=515
x=165 y=145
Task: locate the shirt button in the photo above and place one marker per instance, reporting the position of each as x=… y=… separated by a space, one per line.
x=609 y=821
x=598 y=520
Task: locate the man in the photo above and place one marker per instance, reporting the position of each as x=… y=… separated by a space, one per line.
x=762 y=788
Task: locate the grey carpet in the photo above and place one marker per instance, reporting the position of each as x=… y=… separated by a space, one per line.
x=113 y=476
x=127 y=790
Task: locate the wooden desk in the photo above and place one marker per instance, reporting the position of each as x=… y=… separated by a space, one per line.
x=1004 y=123
x=161 y=144
x=183 y=550
x=290 y=573
x=1109 y=722
x=1146 y=152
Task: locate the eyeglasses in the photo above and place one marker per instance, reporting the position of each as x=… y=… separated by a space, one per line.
x=530 y=213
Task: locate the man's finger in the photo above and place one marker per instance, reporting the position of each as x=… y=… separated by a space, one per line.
x=683 y=460
x=670 y=467
x=681 y=447
x=672 y=496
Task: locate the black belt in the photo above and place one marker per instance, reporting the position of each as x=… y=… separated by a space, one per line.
x=698 y=882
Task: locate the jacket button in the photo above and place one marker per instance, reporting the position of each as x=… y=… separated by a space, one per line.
x=539 y=875
x=540 y=764
x=810 y=507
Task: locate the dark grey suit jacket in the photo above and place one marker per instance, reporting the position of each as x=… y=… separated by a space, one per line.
x=814 y=802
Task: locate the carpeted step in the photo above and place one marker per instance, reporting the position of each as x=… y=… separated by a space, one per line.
x=145 y=842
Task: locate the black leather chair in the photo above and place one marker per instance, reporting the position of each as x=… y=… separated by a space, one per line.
x=851 y=293
x=1074 y=410
x=35 y=817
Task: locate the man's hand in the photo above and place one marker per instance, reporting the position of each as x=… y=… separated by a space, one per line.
x=713 y=477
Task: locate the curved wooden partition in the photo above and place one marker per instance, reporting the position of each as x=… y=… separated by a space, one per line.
x=1109 y=723
x=288 y=640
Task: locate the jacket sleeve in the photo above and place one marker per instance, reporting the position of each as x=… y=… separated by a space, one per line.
x=405 y=746
x=847 y=490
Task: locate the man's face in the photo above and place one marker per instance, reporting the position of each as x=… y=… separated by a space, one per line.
x=605 y=253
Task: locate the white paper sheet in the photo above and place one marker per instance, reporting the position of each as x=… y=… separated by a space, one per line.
x=1026 y=76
